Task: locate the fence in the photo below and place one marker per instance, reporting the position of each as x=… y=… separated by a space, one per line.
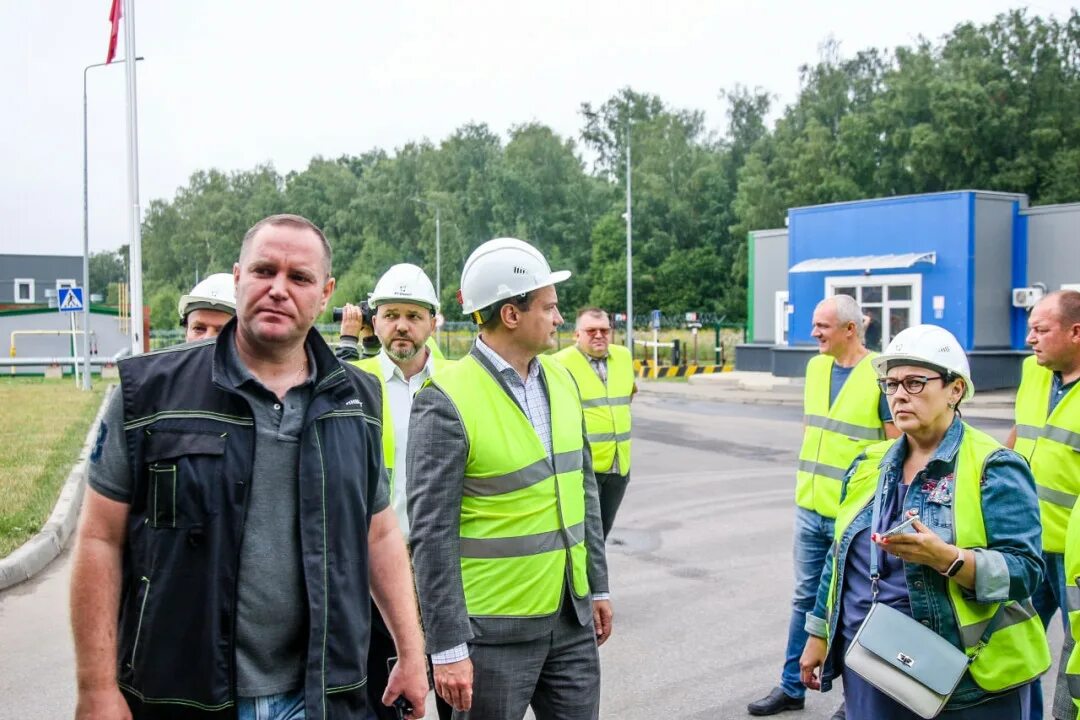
x=457 y=337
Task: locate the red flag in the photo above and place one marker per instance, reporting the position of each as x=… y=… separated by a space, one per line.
x=114 y=17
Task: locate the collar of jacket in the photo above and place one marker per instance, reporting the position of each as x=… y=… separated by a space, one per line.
x=328 y=369
x=944 y=457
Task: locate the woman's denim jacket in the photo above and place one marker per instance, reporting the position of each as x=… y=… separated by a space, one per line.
x=1009 y=568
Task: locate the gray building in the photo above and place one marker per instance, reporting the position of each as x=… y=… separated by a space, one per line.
x=768 y=296
x=1053 y=246
x=36 y=279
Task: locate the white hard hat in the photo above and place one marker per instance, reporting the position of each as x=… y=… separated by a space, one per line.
x=501 y=269
x=927 y=345
x=404 y=283
x=215 y=292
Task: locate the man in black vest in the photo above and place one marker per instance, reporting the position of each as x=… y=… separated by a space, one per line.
x=237 y=508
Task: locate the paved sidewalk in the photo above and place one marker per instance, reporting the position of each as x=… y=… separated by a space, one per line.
x=764 y=388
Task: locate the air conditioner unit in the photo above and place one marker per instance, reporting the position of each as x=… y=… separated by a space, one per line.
x=50 y=292
x=1026 y=297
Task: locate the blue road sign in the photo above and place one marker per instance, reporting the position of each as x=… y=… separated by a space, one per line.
x=70 y=299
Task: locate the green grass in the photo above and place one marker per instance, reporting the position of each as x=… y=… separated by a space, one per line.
x=42 y=429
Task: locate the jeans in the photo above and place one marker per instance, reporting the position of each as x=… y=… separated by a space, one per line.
x=1047 y=600
x=813 y=537
x=285 y=706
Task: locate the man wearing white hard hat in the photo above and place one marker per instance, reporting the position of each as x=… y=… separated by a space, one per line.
x=404 y=305
x=209 y=305
x=506 y=534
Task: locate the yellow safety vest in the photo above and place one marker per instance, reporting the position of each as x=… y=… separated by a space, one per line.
x=1017 y=651
x=1051 y=446
x=1072 y=596
x=373 y=366
x=436 y=351
x=606 y=406
x=835 y=436
x=522 y=510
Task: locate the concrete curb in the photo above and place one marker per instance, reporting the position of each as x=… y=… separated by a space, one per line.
x=35 y=554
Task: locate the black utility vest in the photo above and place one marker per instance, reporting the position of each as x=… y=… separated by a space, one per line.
x=190 y=441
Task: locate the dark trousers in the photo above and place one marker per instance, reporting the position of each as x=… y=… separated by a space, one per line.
x=612 y=488
x=557 y=674
x=381 y=647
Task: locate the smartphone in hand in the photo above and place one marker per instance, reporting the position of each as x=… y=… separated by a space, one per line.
x=899 y=528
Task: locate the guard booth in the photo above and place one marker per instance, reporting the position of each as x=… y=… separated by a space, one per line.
x=971 y=261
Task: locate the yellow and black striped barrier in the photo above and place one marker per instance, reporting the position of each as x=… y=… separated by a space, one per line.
x=670 y=371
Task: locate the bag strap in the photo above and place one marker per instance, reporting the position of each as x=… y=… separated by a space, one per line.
x=875 y=551
x=991 y=628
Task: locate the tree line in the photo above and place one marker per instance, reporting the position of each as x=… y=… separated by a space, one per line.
x=993 y=106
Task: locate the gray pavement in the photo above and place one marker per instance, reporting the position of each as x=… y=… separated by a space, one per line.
x=700 y=563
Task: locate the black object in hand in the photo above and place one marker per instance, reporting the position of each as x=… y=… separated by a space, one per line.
x=366 y=312
x=401 y=706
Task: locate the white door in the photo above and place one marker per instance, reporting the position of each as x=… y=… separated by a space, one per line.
x=782 y=317
x=889 y=303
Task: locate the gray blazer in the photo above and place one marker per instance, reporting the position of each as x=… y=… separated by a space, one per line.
x=435 y=459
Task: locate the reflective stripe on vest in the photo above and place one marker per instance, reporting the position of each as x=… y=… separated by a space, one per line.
x=1072 y=596
x=373 y=366
x=1051 y=446
x=522 y=510
x=606 y=405
x=1017 y=651
x=835 y=436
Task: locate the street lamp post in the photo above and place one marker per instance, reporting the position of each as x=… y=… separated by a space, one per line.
x=629 y=254
x=86 y=229
x=438 y=249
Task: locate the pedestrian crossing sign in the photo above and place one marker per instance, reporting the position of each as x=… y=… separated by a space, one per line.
x=70 y=299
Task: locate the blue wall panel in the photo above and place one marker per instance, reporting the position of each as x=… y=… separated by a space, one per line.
x=941 y=223
x=1019 y=316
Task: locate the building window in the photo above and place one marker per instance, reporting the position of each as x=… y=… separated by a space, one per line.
x=24 y=290
x=889 y=303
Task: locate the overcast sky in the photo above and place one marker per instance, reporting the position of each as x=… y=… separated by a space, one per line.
x=233 y=83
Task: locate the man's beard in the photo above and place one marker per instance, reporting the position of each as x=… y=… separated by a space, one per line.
x=402 y=355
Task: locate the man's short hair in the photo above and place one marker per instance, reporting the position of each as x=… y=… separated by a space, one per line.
x=848 y=311
x=521 y=302
x=296 y=221
x=1068 y=306
x=593 y=311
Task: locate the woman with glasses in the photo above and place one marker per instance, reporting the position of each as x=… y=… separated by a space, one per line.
x=968 y=560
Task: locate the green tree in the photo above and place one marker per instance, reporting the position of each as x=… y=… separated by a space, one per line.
x=106 y=267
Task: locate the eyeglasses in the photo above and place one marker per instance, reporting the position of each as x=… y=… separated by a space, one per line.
x=596 y=331
x=913 y=384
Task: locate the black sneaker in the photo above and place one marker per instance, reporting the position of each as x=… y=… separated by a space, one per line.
x=840 y=713
x=775 y=702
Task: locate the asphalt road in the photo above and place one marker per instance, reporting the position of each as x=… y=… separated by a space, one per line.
x=700 y=565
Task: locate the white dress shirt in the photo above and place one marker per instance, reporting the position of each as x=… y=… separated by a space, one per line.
x=399 y=395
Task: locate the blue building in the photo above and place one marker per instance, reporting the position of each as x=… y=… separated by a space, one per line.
x=970 y=261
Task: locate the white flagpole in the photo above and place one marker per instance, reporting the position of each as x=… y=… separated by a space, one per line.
x=135 y=218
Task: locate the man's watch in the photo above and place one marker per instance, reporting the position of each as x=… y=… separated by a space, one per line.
x=955 y=566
